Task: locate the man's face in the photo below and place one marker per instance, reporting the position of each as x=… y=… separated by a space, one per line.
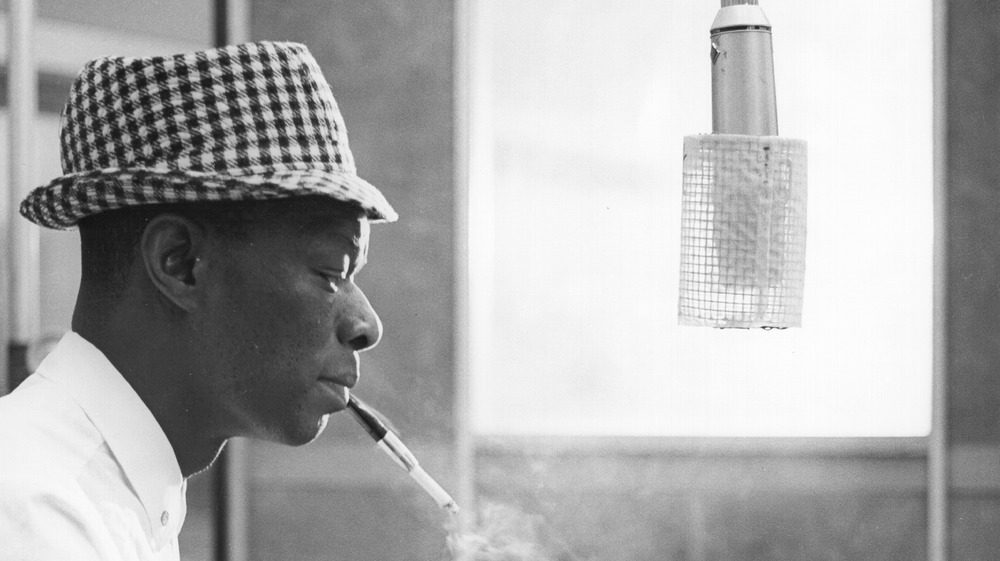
x=285 y=321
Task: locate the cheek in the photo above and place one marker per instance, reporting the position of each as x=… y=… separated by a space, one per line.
x=296 y=320
x=277 y=326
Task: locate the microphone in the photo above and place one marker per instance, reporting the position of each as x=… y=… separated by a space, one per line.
x=743 y=208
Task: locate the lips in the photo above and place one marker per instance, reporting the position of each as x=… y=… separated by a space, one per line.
x=346 y=378
x=339 y=385
x=338 y=391
x=340 y=379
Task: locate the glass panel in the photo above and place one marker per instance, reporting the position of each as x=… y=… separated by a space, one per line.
x=579 y=112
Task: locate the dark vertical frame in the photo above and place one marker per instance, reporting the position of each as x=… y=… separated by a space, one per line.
x=231 y=476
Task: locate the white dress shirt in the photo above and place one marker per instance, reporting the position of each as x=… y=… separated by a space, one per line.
x=86 y=472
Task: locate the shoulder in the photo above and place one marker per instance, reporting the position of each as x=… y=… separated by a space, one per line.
x=43 y=429
x=22 y=498
x=49 y=516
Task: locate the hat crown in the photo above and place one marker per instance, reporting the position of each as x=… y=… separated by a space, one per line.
x=256 y=121
x=238 y=110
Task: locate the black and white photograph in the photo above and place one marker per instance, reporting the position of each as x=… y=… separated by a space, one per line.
x=499 y=280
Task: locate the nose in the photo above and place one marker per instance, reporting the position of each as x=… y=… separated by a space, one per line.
x=359 y=327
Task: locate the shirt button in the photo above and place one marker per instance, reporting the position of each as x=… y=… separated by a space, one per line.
x=164 y=518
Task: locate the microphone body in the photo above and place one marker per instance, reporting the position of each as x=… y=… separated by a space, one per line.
x=743 y=100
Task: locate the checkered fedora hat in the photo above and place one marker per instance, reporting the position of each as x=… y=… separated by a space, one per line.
x=247 y=122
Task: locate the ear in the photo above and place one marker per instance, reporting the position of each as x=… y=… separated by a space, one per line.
x=172 y=246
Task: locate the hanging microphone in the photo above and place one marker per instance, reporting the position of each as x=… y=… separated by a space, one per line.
x=743 y=208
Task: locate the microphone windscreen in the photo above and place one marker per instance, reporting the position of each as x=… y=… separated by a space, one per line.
x=743 y=231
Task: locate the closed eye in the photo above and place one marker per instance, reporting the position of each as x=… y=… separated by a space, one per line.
x=334 y=279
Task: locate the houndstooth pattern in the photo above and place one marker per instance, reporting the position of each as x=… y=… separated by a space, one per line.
x=252 y=121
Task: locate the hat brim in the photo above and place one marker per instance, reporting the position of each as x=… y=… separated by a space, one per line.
x=64 y=201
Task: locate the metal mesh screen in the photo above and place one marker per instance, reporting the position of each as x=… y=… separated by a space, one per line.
x=743 y=231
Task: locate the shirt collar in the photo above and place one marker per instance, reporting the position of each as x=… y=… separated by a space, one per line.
x=129 y=428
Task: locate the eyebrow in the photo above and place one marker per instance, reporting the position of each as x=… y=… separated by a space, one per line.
x=353 y=241
x=359 y=258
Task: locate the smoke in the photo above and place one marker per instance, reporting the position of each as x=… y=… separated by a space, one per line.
x=505 y=533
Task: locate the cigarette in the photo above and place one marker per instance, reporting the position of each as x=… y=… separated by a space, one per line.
x=394 y=447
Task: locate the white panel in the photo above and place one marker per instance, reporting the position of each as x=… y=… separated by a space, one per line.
x=586 y=105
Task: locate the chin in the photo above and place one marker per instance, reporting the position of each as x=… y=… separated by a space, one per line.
x=305 y=434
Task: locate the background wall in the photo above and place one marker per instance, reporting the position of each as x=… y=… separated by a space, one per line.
x=390 y=66
x=973 y=254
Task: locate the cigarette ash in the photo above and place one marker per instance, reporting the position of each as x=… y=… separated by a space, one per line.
x=505 y=533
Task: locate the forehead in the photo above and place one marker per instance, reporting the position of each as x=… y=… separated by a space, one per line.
x=327 y=220
x=310 y=224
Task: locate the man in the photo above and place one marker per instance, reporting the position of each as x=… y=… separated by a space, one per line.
x=222 y=224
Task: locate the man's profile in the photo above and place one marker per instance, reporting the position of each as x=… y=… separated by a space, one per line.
x=222 y=223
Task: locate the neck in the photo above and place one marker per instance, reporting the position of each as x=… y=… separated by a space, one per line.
x=162 y=375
